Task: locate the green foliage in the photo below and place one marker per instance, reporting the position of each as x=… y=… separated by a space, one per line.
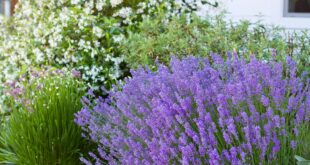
x=302 y=139
x=159 y=40
x=302 y=161
x=304 y=149
x=41 y=130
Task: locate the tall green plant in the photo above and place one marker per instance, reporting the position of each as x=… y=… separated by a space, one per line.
x=41 y=129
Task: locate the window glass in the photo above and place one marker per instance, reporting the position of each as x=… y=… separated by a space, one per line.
x=299 y=6
x=1 y=6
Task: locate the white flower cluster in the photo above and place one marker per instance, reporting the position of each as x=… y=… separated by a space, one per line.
x=123 y=12
x=61 y=33
x=115 y=3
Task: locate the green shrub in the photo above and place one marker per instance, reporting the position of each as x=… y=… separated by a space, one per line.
x=40 y=129
x=159 y=40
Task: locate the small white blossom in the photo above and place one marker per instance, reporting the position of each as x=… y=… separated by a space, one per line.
x=118 y=38
x=98 y=31
x=114 y=3
x=81 y=43
x=97 y=44
x=74 y=2
x=123 y=12
x=39 y=55
x=100 y=5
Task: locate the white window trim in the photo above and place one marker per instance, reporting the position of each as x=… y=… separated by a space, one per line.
x=286 y=13
x=7 y=7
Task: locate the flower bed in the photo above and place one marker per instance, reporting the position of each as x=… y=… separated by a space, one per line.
x=195 y=108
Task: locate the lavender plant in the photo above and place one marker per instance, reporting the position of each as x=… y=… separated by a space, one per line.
x=200 y=111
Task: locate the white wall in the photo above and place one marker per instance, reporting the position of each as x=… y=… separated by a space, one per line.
x=268 y=11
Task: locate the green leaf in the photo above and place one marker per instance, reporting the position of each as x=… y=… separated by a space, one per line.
x=299 y=158
x=305 y=162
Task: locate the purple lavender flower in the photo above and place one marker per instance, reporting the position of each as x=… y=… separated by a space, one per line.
x=76 y=73
x=39 y=86
x=265 y=101
x=293 y=144
x=199 y=112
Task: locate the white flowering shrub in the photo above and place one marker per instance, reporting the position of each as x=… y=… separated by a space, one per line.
x=64 y=34
x=80 y=35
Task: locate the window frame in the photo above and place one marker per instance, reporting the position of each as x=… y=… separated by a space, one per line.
x=286 y=12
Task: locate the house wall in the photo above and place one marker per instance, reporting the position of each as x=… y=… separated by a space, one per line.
x=268 y=11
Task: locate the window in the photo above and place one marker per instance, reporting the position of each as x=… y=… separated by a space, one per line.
x=297 y=8
x=1 y=7
x=7 y=7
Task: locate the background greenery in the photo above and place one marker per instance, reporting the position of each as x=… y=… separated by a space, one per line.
x=157 y=39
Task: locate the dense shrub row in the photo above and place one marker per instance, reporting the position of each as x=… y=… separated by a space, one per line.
x=195 y=112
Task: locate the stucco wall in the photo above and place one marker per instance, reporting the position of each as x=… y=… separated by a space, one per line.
x=268 y=11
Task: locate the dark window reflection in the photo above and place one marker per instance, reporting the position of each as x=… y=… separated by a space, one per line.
x=299 y=6
x=1 y=7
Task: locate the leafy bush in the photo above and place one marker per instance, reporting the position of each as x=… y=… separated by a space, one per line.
x=78 y=36
x=159 y=40
x=41 y=128
x=83 y=35
x=196 y=112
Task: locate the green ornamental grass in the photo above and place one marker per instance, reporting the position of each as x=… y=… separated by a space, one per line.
x=43 y=131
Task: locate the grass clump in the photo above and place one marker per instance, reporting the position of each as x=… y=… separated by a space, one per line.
x=40 y=129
